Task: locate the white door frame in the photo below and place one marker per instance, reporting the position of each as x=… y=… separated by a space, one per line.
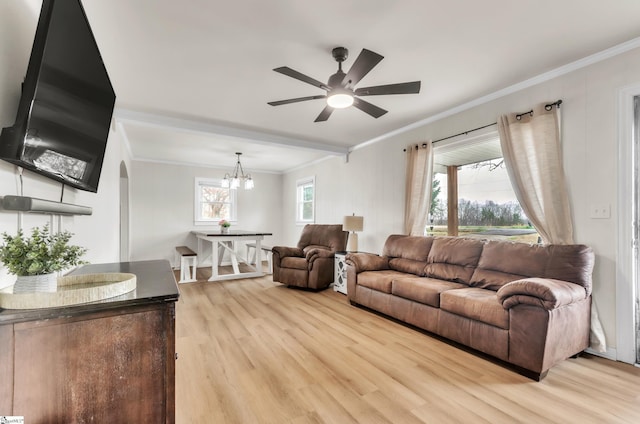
x=124 y=213
x=627 y=255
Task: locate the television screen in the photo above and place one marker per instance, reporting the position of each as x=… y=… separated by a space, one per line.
x=63 y=118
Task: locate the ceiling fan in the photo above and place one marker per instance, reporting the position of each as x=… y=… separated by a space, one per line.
x=341 y=91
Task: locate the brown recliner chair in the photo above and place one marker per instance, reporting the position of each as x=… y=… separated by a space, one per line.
x=310 y=264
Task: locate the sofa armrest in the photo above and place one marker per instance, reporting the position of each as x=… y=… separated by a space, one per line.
x=367 y=262
x=284 y=251
x=316 y=253
x=544 y=292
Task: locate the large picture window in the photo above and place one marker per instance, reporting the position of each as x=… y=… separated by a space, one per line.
x=213 y=202
x=306 y=198
x=484 y=204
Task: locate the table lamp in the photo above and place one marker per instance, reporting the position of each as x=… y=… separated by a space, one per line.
x=352 y=223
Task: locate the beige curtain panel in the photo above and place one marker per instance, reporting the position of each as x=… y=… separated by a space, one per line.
x=532 y=153
x=418 y=188
x=533 y=157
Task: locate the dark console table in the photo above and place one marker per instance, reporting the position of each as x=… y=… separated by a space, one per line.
x=107 y=361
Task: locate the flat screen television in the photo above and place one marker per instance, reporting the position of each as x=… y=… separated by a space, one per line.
x=64 y=114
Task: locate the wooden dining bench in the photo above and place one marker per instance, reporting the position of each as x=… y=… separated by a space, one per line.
x=267 y=251
x=188 y=259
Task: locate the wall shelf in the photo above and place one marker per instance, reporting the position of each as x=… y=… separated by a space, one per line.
x=35 y=205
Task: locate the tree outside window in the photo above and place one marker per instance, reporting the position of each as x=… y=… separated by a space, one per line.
x=487 y=206
x=213 y=202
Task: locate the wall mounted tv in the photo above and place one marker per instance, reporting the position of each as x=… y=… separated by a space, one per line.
x=67 y=101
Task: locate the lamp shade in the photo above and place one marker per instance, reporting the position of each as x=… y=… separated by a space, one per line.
x=352 y=223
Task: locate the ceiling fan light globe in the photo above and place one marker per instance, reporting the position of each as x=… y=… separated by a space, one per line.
x=340 y=100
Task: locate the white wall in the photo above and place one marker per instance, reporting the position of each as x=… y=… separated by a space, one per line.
x=372 y=183
x=162 y=202
x=98 y=232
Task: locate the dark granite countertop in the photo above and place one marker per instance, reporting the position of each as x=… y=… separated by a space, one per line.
x=155 y=282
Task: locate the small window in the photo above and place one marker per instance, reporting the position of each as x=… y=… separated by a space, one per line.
x=306 y=200
x=213 y=202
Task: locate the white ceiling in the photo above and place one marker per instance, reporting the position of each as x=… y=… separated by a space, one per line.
x=193 y=77
x=479 y=146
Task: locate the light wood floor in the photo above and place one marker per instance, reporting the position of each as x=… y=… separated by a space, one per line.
x=253 y=351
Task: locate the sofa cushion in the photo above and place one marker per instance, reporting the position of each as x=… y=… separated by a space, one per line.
x=476 y=304
x=408 y=247
x=502 y=262
x=379 y=280
x=422 y=290
x=491 y=279
x=407 y=265
x=453 y=259
x=293 y=262
x=330 y=236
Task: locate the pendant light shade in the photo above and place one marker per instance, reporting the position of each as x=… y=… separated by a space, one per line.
x=232 y=180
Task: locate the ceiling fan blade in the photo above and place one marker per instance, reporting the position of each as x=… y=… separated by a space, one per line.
x=324 y=115
x=301 y=77
x=400 y=88
x=296 y=100
x=369 y=108
x=364 y=63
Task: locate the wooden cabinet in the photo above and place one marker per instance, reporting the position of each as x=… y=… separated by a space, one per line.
x=112 y=361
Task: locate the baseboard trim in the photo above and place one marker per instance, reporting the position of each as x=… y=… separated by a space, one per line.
x=609 y=354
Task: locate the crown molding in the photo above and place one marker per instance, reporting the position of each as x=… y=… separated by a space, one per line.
x=122 y=115
x=562 y=70
x=201 y=165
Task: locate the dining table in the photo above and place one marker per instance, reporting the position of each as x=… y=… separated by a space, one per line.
x=213 y=244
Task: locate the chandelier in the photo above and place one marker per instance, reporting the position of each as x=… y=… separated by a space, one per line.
x=232 y=180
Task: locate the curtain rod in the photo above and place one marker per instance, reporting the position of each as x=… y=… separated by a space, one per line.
x=547 y=107
x=455 y=135
x=463 y=133
x=519 y=116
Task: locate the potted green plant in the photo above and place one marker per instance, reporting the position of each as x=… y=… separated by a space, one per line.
x=224 y=226
x=36 y=260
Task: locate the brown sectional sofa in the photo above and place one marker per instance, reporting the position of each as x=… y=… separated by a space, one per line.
x=527 y=305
